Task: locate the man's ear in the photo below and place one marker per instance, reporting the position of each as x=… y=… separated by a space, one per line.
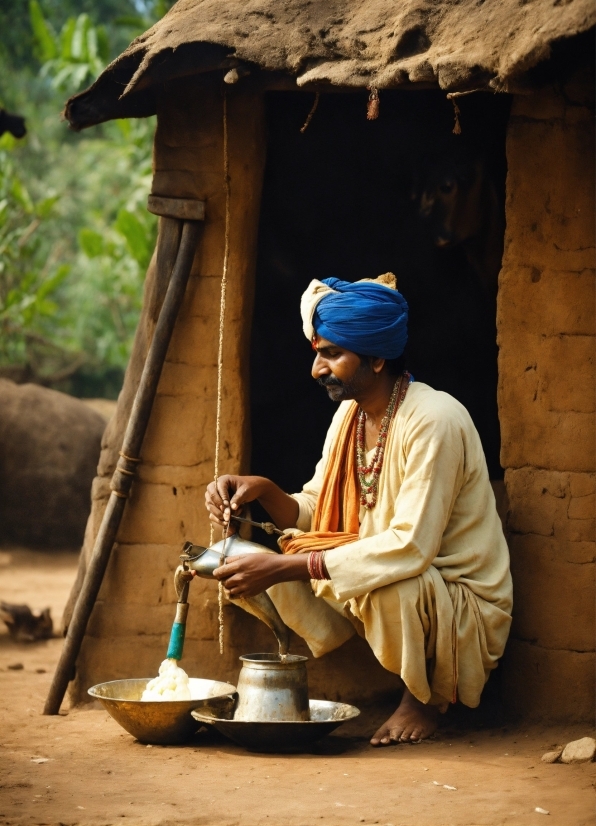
x=377 y=364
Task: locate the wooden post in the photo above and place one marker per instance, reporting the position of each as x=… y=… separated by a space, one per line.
x=128 y=462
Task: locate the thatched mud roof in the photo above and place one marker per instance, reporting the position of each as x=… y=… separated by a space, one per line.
x=458 y=45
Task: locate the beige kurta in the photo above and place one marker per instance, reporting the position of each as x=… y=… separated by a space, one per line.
x=428 y=582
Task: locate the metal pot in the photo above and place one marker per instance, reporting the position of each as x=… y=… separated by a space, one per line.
x=205 y=560
x=272 y=688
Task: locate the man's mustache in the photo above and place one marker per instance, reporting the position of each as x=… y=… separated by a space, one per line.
x=330 y=381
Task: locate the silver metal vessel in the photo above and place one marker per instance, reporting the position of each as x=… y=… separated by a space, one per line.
x=272 y=688
x=205 y=560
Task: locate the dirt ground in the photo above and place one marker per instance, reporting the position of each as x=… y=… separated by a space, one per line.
x=95 y=773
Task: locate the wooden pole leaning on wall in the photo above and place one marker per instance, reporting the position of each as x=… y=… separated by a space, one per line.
x=131 y=448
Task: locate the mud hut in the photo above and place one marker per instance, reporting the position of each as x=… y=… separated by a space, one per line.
x=336 y=199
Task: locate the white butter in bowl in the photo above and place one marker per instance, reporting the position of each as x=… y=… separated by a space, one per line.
x=171 y=684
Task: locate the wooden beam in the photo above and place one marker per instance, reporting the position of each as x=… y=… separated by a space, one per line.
x=185 y=209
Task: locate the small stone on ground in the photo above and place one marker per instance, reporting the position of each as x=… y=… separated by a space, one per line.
x=552 y=756
x=579 y=751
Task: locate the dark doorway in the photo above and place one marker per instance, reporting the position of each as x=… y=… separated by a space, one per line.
x=343 y=199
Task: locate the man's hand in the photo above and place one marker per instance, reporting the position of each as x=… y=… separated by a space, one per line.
x=251 y=574
x=227 y=496
x=229 y=493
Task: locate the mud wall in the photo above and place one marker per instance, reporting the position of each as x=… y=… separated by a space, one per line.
x=129 y=628
x=546 y=401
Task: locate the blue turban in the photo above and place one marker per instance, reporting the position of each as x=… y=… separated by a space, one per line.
x=365 y=317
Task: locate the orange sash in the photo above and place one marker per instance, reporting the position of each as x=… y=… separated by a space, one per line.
x=338 y=504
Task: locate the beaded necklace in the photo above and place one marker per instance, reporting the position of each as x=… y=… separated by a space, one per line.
x=369 y=487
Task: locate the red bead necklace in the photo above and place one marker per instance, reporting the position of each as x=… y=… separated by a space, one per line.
x=369 y=487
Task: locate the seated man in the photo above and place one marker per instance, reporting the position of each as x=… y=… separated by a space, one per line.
x=397 y=533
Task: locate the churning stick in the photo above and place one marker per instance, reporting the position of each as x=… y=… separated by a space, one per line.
x=129 y=455
x=268 y=527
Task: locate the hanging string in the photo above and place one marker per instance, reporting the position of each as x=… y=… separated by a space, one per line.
x=456 y=125
x=222 y=313
x=311 y=113
x=457 y=112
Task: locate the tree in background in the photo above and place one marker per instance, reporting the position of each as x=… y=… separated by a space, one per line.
x=17 y=41
x=75 y=237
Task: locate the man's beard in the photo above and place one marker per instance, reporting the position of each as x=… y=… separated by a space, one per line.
x=340 y=391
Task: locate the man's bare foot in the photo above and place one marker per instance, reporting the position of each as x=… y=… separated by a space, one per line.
x=411 y=722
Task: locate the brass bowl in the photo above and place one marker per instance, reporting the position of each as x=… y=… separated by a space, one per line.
x=273 y=735
x=162 y=722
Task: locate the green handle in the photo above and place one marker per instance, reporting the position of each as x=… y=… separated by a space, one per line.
x=176 y=641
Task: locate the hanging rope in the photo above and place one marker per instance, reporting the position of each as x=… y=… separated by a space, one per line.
x=457 y=112
x=222 y=313
x=311 y=113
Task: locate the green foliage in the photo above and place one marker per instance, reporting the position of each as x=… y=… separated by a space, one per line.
x=29 y=278
x=135 y=233
x=17 y=42
x=44 y=38
x=75 y=235
x=75 y=56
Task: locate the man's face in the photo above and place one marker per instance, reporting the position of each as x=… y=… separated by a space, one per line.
x=342 y=373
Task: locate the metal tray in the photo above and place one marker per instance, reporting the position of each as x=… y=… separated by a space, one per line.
x=325 y=716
